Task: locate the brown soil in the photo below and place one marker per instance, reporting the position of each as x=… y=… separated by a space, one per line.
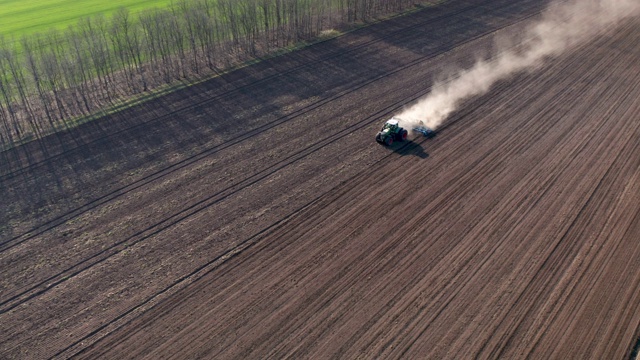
x=254 y=215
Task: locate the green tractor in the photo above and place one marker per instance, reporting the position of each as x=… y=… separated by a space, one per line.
x=391 y=131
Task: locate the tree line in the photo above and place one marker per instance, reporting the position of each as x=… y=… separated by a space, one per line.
x=48 y=80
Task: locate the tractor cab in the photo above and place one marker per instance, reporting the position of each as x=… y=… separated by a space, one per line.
x=391 y=126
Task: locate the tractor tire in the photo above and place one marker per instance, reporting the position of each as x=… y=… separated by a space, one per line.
x=403 y=134
x=388 y=141
x=379 y=138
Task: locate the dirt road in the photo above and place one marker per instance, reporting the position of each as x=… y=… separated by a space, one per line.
x=254 y=216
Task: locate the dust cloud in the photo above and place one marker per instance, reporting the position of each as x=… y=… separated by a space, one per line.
x=563 y=25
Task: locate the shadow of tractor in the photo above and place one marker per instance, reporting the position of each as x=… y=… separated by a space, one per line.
x=413 y=147
x=410 y=148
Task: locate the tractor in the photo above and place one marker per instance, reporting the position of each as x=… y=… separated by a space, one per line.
x=391 y=131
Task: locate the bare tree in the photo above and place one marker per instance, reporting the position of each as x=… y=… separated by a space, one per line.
x=30 y=54
x=9 y=118
x=189 y=12
x=96 y=48
x=119 y=44
x=248 y=19
x=175 y=32
x=71 y=80
x=151 y=39
x=131 y=33
x=266 y=6
x=83 y=74
x=160 y=22
x=103 y=49
x=16 y=73
x=51 y=71
x=202 y=17
x=7 y=113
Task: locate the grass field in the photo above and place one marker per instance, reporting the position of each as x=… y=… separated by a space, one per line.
x=18 y=17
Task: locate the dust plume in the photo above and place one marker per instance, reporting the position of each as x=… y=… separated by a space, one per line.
x=562 y=26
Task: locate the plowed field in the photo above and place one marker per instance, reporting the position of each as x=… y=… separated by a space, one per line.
x=254 y=216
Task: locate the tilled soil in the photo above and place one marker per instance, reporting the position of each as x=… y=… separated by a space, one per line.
x=254 y=216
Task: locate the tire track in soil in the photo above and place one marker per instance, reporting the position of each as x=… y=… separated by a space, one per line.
x=56 y=279
x=578 y=124
x=585 y=223
x=469 y=250
x=547 y=134
x=161 y=174
x=388 y=250
x=308 y=64
x=470 y=179
x=419 y=95
x=584 y=149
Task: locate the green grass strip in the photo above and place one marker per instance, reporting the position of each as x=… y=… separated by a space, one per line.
x=25 y=17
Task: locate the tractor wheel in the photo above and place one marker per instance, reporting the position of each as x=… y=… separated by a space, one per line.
x=378 y=138
x=388 y=141
x=403 y=134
